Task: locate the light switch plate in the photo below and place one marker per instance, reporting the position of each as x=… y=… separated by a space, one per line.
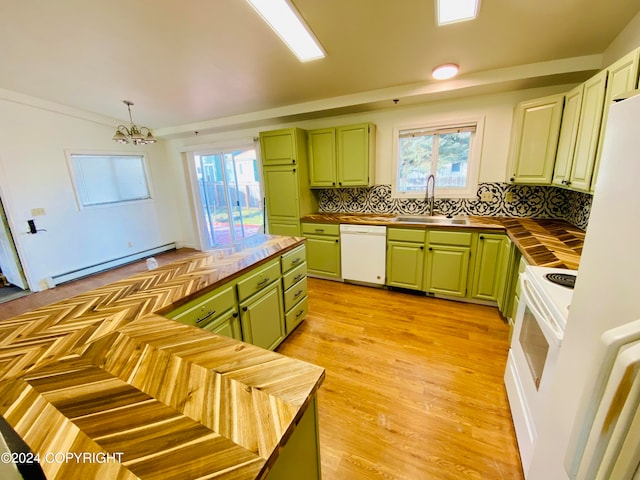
x=37 y=211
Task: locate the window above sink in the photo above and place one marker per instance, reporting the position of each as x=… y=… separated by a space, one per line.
x=448 y=150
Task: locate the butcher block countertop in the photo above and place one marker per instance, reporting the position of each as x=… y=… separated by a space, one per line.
x=101 y=373
x=543 y=242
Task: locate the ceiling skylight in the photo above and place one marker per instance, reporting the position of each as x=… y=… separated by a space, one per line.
x=283 y=18
x=452 y=11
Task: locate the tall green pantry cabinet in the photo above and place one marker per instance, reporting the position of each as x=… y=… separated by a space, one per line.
x=286 y=180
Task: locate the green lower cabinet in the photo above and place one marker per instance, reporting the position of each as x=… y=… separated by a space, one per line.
x=262 y=317
x=300 y=457
x=228 y=324
x=323 y=249
x=405 y=263
x=488 y=270
x=447 y=270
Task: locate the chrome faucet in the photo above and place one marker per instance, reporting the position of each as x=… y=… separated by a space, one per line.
x=429 y=199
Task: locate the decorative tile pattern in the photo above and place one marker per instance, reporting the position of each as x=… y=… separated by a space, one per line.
x=525 y=201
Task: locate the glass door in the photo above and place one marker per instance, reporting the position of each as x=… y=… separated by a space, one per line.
x=230 y=195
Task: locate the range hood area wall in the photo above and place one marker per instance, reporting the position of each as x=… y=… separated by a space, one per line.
x=506 y=200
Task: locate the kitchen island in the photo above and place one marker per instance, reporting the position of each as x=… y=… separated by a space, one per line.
x=103 y=376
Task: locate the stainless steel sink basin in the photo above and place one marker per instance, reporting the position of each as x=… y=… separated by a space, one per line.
x=436 y=219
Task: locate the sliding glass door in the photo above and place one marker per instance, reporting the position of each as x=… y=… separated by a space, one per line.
x=230 y=195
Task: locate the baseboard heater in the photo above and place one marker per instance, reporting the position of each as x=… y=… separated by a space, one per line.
x=109 y=264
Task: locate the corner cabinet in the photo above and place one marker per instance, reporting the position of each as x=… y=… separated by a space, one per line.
x=323 y=249
x=286 y=180
x=534 y=140
x=342 y=156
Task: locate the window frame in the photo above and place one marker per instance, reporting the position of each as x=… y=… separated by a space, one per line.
x=105 y=153
x=473 y=163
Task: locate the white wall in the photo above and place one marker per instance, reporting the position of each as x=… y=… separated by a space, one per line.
x=34 y=174
x=626 y=41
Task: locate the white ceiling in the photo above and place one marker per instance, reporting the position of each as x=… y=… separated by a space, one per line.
x=212 y=64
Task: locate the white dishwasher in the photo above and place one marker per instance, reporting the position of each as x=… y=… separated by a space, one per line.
x=363 y=253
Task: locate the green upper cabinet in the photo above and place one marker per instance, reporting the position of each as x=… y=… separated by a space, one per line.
x=279 y=147
x=534 y=140
x=588 y=132
x=622 y=77
x=489 y=272
x=286 y=180
x=342 y=156
x=568 y=136
x=322 y=157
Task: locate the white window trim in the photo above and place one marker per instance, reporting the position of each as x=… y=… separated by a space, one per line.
x=475 y=155
x=145 y=164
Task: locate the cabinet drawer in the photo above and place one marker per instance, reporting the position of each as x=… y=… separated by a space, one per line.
x=416 y=235
x=293 y=258
x=321 y=229
x=296 y=315
x=294 y=275
x=446 y=237
x=294 y=294
x=201 y=311
x=257 y=280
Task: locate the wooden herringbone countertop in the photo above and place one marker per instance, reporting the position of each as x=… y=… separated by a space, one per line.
x=102 y=372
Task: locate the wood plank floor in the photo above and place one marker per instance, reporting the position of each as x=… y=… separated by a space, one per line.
x=413 y=386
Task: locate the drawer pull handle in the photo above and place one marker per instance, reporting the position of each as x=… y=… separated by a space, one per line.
x=293 y=262
x=298 y=277
x=297 y=294
x=208 y=315
x=263 y=282
x=299 y=313
x=320 y=230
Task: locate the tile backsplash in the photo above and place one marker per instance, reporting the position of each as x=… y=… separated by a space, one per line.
x=506 y=200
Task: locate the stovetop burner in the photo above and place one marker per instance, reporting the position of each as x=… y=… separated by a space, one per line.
x=564 y=279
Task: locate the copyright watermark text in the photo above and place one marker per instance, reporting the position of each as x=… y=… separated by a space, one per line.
x=60 y=457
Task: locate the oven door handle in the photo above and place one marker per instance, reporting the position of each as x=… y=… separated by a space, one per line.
x=544 y=318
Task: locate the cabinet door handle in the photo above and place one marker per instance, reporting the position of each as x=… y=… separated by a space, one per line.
x=298 y=277
x=340 y=183
x=297 y=294
x=208 y=315
x=430 y=249
x=421 y=247
x=263 y=282
x=512 y=179
x=294 y=170
x=319 y=230
x=244 y=309
x=337 y=240
x=293 y=262
x=234 y=314
x=299 y=313
x=481 y=237
x=293 y=160
x=333 y=184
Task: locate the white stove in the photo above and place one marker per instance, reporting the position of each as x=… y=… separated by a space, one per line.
x=537 y=336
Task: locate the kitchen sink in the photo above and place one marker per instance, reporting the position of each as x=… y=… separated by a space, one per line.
x=435 y=219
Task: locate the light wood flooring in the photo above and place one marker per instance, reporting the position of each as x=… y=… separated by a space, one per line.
x=413 y=386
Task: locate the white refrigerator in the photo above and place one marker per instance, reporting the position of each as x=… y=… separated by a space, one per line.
x=607 y=291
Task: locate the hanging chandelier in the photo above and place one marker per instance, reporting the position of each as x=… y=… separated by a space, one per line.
x=137 y=135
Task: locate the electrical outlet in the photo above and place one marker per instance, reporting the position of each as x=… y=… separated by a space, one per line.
x=486 y=196
x=37 y=212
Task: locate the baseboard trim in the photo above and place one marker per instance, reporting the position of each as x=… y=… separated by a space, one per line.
x=116 y=262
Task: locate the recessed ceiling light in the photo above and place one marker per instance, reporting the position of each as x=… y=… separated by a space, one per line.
x=283 y=18
x=452 y=11
x=444 y=72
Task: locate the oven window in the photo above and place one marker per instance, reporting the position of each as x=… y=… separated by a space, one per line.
x=534 y=345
